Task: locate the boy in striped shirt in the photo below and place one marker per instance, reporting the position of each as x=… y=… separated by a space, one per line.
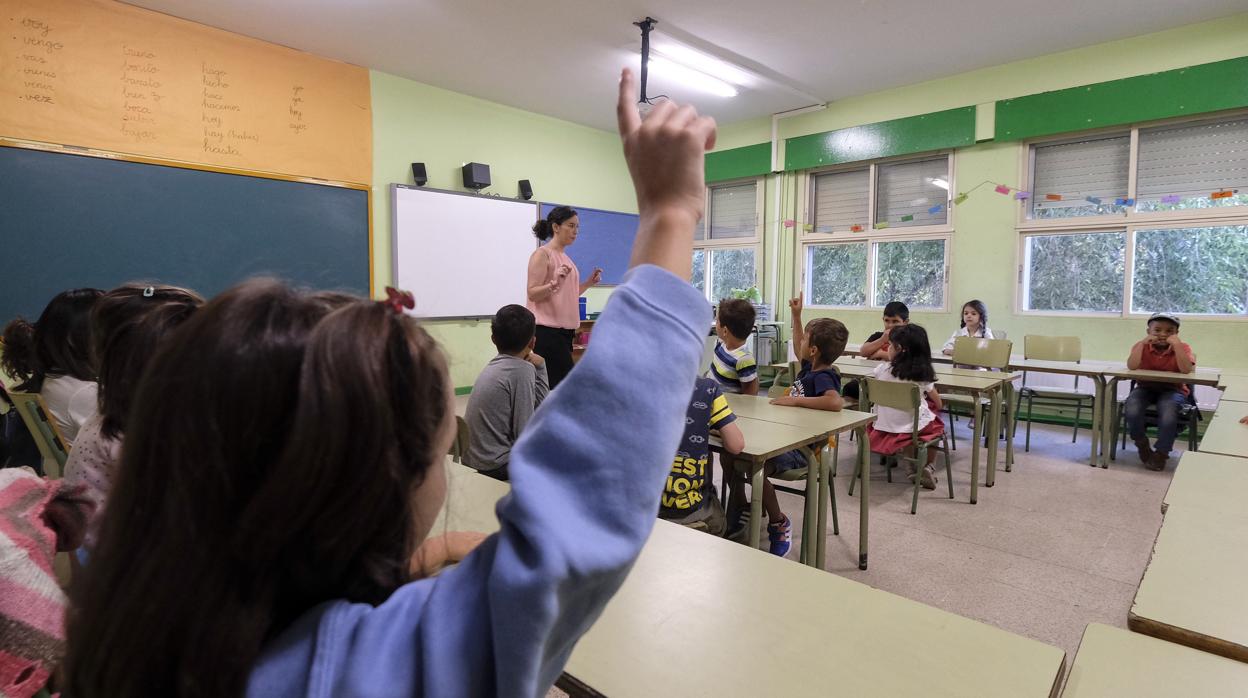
x=733 y=366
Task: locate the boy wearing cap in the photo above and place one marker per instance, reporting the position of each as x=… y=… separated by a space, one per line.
x=1160 y=350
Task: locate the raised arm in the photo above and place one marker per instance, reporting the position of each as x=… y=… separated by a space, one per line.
x=799 y=330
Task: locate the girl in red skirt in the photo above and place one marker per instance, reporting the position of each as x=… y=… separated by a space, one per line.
x=909 y=360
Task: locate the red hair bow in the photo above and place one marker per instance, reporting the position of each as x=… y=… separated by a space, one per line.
x=397 y=300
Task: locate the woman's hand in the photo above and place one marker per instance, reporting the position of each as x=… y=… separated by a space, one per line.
x=595 y=277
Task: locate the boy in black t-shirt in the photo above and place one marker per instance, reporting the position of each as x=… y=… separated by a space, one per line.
x=689 y=495
x=896 y=314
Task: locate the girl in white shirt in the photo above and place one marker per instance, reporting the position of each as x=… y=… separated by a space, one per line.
x=909 y=360
x=53 y=358
x=974 y=324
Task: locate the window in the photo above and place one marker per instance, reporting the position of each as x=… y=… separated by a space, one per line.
x=911 y=271
x=841 y=201
x=1083 y=178
x=1191 y=270
x=1074 y=273
x=726 y=240
x=906 y=193
x=1170 y=234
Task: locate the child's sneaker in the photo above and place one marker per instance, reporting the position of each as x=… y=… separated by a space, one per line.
x=739 y=527
x=927 y=478
x=781 y=536
x=1145 y=451
x=1157 y=461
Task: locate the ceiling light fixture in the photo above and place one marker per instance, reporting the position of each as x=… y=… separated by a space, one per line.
x=689 y=77
x=703 y=63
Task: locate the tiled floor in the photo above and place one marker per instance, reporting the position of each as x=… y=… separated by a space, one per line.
x=1055 y=545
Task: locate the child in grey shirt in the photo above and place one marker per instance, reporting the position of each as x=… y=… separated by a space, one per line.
x=506 y=393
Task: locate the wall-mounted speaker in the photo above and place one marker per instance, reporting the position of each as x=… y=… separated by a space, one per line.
x=526 y=190
x=418 y=174
x=476 y=176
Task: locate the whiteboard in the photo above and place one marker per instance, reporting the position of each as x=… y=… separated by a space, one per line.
x=460 y=254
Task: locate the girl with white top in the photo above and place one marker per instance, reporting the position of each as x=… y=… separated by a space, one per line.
x=974 y=324
x=909 y=360
x=52 y=357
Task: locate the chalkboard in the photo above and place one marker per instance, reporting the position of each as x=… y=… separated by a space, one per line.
x=605 y=240
x=69 y=221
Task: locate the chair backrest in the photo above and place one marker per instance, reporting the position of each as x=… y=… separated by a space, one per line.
x=47 y=437
x=982 y=353
x=708 y=354
x=899 y=395
x=1052 y=348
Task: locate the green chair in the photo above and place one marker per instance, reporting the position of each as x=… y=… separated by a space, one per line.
x=1061 y=349
x=45 y=432
x=905 y=396
x=459 y=447
x=992 y=354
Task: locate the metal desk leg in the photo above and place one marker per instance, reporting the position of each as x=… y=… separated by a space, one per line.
x=1098 y=414
x=812 y=522
x=1010 y=406
x=825 y=486
x=1109 y=415
x=864 y=496
x=994 y=428
x=975 y=435
x=756 y=503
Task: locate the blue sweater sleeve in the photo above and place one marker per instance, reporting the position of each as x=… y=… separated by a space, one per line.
x=586 y=478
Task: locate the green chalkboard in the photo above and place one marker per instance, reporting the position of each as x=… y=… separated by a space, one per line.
x=69 y=221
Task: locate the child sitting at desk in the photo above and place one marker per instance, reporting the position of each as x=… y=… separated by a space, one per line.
x=689 y=496
x=896 y=314
x=817 y=387
x=974 y=324
x=909 y=361
x=733 y=366
x=1160 y=350
x=506 y=393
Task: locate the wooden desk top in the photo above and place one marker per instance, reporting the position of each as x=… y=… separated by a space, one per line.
x=1117 y=662
x=761 y=409
x=1201 y=376
x=1225 y=434
x=1213 y=481
x=764 y=439
x=1236 y=389
x=1083 y=368
x=1192 y=592
x=976 y=380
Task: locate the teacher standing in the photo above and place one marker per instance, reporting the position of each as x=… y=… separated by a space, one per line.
x=555 y=288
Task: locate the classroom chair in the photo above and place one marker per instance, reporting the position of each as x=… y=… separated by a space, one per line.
x=1189 y=421
x=992 y=354
x=45 y=432
x=1061 y=349
x=905 y=396
x=459 y=447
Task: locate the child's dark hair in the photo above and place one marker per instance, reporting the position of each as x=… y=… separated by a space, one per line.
x=128 y=325
x=828 y=336
x=912 y=354
x=737 y=315
x=58 y=344
x=512 y=328
x=270 y=464
x=898 y=310
x=980 y=308
x=558 y=215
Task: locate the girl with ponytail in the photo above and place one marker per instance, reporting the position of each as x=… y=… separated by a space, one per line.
x=555 y=289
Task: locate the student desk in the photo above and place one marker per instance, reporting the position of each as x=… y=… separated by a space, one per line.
x=980 y=384
x=1225 y=434
x=752 y=408
x=1208 y=480
x=1118 y=372
x=1114 y=662
x=1091 y=370
x=1235 y=388
x=1192 y=592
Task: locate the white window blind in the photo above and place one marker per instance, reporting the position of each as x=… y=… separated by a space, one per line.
x=1193 y=160
x=841 y=200
x=733 y=211
x=910 y=190
x=1095 y=168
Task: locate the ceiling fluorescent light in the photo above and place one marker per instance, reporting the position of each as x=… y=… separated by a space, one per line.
x=691 y=78
x=703 y=63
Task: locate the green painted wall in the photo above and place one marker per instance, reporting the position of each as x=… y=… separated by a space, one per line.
x=414 y=122
x=985 y=237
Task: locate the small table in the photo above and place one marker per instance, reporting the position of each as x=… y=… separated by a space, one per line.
x=1119 y=372
x=1092 y=370
x=1116 y=662
x=982 y=384
x=757 y=408
x=1208 y=480
x=1236 y=388
x=1192 y=592
x=1225 y=435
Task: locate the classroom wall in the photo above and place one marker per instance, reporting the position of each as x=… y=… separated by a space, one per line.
x=566 y=162
x=985 y=237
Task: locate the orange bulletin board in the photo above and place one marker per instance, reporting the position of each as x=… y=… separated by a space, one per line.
x=103 y=75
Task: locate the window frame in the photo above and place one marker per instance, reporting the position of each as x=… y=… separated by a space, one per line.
x=871 y=242
x=806 y=204
x=1129 y=222
x=755 y=243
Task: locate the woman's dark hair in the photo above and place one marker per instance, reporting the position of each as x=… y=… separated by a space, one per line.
x=558 y=215
x=269 y=466
x=980 y=308
x=58 y=344
x=128 y=325
x=912 y=358
x=512 y=328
